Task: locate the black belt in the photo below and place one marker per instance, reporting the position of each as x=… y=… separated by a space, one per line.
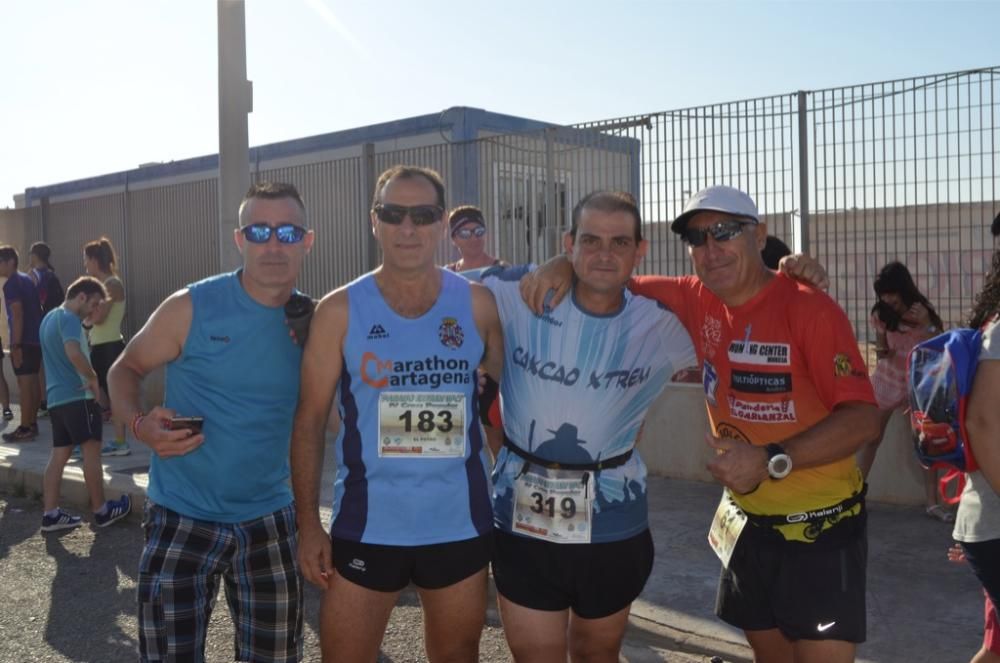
x=812 y=516
x=614 y=461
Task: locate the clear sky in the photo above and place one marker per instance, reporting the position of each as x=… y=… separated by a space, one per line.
x=92 y=87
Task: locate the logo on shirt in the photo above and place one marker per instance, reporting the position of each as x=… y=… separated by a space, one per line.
x=761 y=383
x=842 y=367
x=761 y=354
x=432 y=372
x=451 y=334
x=219 y=339
x=545 y=317
x=377 y=332
x=358 y=565
x=771 y=412
x=727 y=430
x=710 y=380
x=711 y=335
x=747 y=351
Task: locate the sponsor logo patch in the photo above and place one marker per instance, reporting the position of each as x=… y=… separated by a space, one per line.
x=761 y=383
x=432 y=372
x=842 y=367
x=760 y=354
x=772 y=412
x=710 y=380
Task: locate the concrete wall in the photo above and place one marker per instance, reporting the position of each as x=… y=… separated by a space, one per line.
x=896 y=477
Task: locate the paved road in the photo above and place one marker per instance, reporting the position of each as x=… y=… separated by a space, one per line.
x=70 y=596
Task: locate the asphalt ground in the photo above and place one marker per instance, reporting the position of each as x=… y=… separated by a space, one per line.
x=70 y=596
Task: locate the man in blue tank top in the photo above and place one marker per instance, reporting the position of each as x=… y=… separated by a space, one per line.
x=573 y=548
x=219 y=507
x=400 y=350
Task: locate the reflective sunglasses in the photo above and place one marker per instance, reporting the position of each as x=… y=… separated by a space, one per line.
x=469 y=233
x=260 y=233
x=420 y=215
x=723 y=231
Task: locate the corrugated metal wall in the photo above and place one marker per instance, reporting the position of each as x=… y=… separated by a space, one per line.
x=173 y=240
x=333 y=192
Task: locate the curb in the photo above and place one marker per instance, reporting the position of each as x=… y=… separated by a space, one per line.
x=73 y=495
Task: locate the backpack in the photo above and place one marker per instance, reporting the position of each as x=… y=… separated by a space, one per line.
x=54 y=295
x=940 y=372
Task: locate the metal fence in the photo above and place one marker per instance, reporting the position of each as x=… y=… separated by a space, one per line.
x=858 y=176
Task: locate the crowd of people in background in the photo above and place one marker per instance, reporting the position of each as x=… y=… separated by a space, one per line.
x=420 y=495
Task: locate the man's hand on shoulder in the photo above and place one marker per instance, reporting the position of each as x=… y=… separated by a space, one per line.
x=555 y=275
x=803 y=267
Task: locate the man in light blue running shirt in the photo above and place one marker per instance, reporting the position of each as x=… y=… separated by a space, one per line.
x=401 y=346
x=573 y=548
x=220 y=508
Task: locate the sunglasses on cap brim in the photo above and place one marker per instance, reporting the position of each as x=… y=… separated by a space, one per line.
x=723 y=231
x=420 y=215
x=260 y=233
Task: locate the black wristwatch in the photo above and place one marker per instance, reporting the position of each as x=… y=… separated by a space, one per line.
x=779 y=463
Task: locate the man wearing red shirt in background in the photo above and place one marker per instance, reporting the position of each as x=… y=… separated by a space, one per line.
x=789 y=402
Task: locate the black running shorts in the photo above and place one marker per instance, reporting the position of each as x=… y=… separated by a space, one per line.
x=75 y=422
x=392 y=568
x=594 y=580
x=808 y=591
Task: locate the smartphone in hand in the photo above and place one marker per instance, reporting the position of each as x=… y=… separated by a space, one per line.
x=191 y=423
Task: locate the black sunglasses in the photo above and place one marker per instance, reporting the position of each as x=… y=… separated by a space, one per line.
x=260 y=233
x=421 y=215
x=723 y=231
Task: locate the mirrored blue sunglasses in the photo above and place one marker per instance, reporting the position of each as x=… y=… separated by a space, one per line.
x=260 y=233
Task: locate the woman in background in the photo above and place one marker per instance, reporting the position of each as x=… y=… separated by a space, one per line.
x=902 y=317
x=106 y=340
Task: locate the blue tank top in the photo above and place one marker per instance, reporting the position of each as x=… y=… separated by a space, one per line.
x=240 y=371
x=576 y=388
x=411 y=465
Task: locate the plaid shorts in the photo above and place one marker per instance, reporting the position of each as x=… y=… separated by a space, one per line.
x=179 y=572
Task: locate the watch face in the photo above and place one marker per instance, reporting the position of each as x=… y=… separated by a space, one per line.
x=779 y=466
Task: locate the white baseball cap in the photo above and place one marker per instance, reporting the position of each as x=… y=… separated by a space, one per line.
x=716 y=199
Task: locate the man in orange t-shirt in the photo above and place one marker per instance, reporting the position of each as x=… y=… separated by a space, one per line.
x=782 y=372
x=790 y=403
